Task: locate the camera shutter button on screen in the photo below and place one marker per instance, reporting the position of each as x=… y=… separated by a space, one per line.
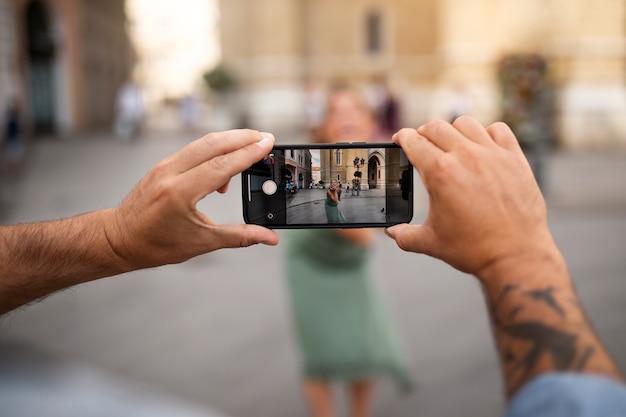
x=269 y=187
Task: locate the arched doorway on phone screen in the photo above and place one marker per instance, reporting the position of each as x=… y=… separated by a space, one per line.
x=373 y=172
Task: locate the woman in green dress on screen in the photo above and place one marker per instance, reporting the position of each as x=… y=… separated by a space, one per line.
x=331 y=205
x=343 y=328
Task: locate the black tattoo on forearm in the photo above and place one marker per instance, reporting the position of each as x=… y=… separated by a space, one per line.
x=515 y=320
x=547 y=297
x=582 y=362
x=561 y=346
x=515 y=311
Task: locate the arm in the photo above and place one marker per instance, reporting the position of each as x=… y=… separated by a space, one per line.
x=332 y=194
x=362 y=237
x=488 y=218
x=538 y=321
x=40 y=258
x=156 y=224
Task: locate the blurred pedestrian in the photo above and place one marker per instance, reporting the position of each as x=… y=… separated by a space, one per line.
x=189 y=111
x=129 y=111
x=386 y=108
x=390 y=115
x=343 y=328
x=459 y=103
x=13 y=137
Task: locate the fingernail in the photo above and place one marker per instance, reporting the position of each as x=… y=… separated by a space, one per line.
x=389 y=232
x=420 y=129
x=268 y=138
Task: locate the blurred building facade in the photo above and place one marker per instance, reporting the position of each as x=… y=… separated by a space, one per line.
x=437 y=55
x=175 y=43
x=64 y=60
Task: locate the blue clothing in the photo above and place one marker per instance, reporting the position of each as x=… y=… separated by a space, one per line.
x=562 y=394
x=12 y=126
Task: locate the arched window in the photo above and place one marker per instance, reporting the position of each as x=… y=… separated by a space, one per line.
x=374 y=32
x=338 y=158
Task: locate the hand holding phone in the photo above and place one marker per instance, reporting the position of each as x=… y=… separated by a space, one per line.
x=322 y=185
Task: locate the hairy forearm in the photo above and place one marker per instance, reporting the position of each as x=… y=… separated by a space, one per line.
x=538 y=321
x=40 y=258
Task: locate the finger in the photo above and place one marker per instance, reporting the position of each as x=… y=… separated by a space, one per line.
x=224 y=188
x=242 y=235
x=473 y=130
x=502 y=134
x=211 y=146
x=442 y=134
x=197 y=182
x=411 y=238
x=420 y=151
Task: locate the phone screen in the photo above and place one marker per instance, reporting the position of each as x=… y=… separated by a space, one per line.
x=329 y=186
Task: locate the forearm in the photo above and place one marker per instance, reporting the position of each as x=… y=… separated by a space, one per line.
x=156 y=224
x=538 y=321
x=41 y=258
x=363 y=237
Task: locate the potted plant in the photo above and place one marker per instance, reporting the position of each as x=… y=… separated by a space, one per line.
x=223 y=85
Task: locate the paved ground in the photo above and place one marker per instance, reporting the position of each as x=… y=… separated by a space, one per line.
x=307 y=206
x=215 y=332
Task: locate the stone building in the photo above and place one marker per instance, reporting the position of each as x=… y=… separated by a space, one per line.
x=380 y=168
x=64 y=60
x=341 y=164
x=439 y=56
x=297 y=167
x=315 y=175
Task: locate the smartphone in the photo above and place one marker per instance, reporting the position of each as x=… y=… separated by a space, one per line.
x=340 y=185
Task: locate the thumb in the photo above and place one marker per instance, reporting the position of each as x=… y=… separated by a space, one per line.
x=242 y=235
x=411 y=238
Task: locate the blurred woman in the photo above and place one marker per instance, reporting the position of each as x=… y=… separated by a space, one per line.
x=343 y=329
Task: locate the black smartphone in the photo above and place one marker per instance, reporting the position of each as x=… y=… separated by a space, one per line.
x=329 y=186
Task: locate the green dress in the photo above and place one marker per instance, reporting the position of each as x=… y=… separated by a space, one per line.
x=343 y=329
x=333 y=214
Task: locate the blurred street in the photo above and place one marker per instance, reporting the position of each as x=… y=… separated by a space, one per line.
x=215 y=332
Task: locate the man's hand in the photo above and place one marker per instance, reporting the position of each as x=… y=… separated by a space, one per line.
x=488 y=217
x=158 y=223
x=485 y=205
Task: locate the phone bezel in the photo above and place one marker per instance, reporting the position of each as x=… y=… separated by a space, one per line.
x=340 y=145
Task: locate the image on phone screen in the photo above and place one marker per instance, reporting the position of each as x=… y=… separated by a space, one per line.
x=318 y=186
